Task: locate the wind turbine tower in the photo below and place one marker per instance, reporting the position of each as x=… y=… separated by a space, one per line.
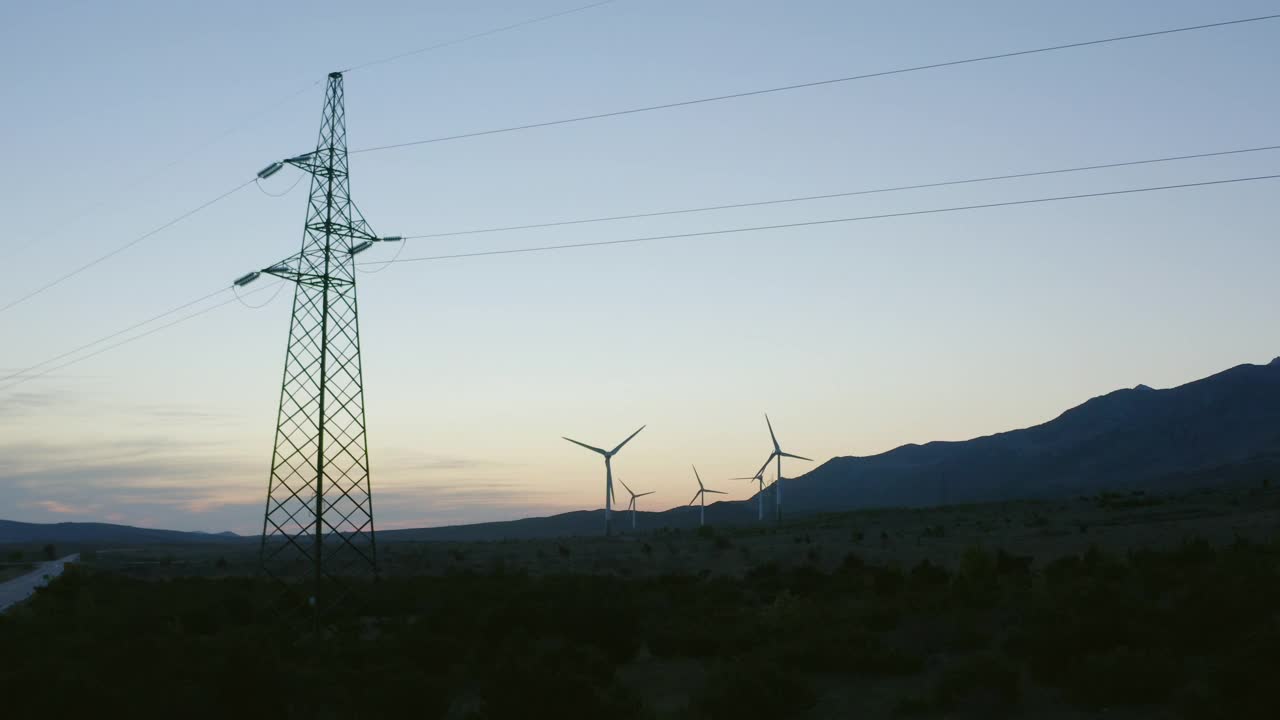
x=759 y=478
x=701 y=497
x=632 y=505
x=778 y=454
x=608 y=476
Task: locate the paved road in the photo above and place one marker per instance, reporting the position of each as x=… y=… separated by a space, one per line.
x=21 y=588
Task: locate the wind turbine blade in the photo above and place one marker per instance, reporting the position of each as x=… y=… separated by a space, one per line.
x=695 y=474
x=594 y=449
x=797 y=457
x=765 y=466
x=717 y=492
x=695 y=497
x=772 y=437
x=627 y=488
x=624 y=442
x=645 y=493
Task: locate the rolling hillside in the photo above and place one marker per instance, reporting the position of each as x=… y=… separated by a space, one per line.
x=1222 y=428
x=1127 y=439
x=83 y=532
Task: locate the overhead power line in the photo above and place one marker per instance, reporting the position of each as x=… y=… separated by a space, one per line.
x=25 y=375
x=21 y=375
x=24 y=371
x=249 y=120
x=158 y=170
x=116 y=251
x=476 y=36
x=284 y=99
x=813 y=223
x=818 y=83
x=852 y=193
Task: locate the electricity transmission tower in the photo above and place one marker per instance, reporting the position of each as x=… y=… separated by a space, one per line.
x=318 y=524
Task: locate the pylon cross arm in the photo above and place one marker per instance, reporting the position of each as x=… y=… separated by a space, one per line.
x=358 y=230
x=312 y=162
x=288 y=270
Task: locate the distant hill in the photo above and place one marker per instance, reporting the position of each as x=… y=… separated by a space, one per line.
x=84 y=532
x=578 y=522
x=1223 y=428
x=1218 y=427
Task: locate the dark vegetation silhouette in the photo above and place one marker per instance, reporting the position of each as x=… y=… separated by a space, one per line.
x=1189 y=631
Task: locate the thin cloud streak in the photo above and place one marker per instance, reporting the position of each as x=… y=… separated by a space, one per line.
x=60 y=508
x=194 y=486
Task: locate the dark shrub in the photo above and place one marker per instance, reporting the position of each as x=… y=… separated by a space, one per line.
x=852 y=563
x=567 y=681
x=886 y=581
x=984 y=683
x=1012 y=565
x=1124 y=676
x=927 y=575
x=752 y=687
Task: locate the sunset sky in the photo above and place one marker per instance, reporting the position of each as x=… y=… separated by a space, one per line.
x=855 y=338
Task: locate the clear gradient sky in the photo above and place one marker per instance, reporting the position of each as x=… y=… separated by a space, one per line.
x=855 y=338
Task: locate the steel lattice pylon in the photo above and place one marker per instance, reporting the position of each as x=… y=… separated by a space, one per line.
x=318 y=523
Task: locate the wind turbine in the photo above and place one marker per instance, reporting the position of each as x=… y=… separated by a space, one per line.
x=632 y=505
x=608 y=475
x=778 y=455
x=701 y=495
x=759 y=477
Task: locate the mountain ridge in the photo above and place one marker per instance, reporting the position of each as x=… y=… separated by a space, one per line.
x=1122 y=439
x=15 y=532
x=1215 y=429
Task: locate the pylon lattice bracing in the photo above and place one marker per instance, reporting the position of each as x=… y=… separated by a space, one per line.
x=318 y=523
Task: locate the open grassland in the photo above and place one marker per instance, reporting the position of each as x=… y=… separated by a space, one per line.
x=900 y=538
x=1190 y=631
x=1158 y=607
